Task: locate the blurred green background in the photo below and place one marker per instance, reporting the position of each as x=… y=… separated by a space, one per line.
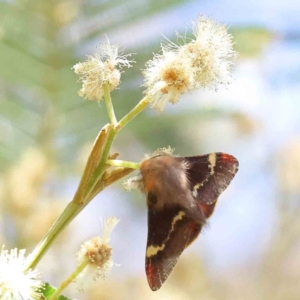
x=251 y=250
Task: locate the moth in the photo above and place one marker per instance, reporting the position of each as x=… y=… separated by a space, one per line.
x=181 y=195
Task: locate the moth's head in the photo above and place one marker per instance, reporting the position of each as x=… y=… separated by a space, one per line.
x=156 y=164
x=150 y=168
x=163 y=174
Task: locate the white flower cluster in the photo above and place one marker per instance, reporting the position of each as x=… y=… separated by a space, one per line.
x=205 y=61
x=100 y=70
x=14 y=282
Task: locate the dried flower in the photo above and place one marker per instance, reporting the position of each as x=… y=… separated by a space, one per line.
x=205 y=61
x=14 y=283
x=96 y=254
x=101 y=70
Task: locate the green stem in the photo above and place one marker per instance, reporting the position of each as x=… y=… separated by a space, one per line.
x=92 y=163
x=66 y=282
x=123 y=163
x=109 y=106
x=101 y=166
x=87 y=192
x=133 y=113
x=65 y=218
x=73 y=208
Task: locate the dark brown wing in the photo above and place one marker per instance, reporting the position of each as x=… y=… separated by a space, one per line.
x=209 y=175
x=169 y=232
x=173 y=227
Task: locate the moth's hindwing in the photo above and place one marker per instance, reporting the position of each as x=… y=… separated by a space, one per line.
x=169 y=232
x=209 y=175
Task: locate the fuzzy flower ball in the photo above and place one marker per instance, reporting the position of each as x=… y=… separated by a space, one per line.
x=102 y=69
x=14 y=282
x=96 y=255
x=202 y=62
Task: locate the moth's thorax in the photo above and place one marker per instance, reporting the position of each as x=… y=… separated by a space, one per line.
x=166 y=178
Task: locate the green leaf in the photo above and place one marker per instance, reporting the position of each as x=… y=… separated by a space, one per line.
x=63 y=298
x=49 y=291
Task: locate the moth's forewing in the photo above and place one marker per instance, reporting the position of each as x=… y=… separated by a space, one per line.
x=179 y=220
x=169 y=232
x=209 y=175
x=207 y=209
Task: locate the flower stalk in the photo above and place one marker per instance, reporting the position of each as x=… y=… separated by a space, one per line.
x=122 y=163
x=133 y=113
x=65 y=218
x=109 y=106
x=69 y=280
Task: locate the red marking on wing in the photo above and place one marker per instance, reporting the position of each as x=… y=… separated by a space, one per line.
x=206 y=186
x=195 y=229
x=154 y=275
x=150 y=272
x=207 y=209
x=224 y=157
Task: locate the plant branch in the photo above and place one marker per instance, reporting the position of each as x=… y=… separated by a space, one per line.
x=133 y=113
x=91 y=183
x=123 y=163
x=65 y=218
x=66 y=282
x=109 y=106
